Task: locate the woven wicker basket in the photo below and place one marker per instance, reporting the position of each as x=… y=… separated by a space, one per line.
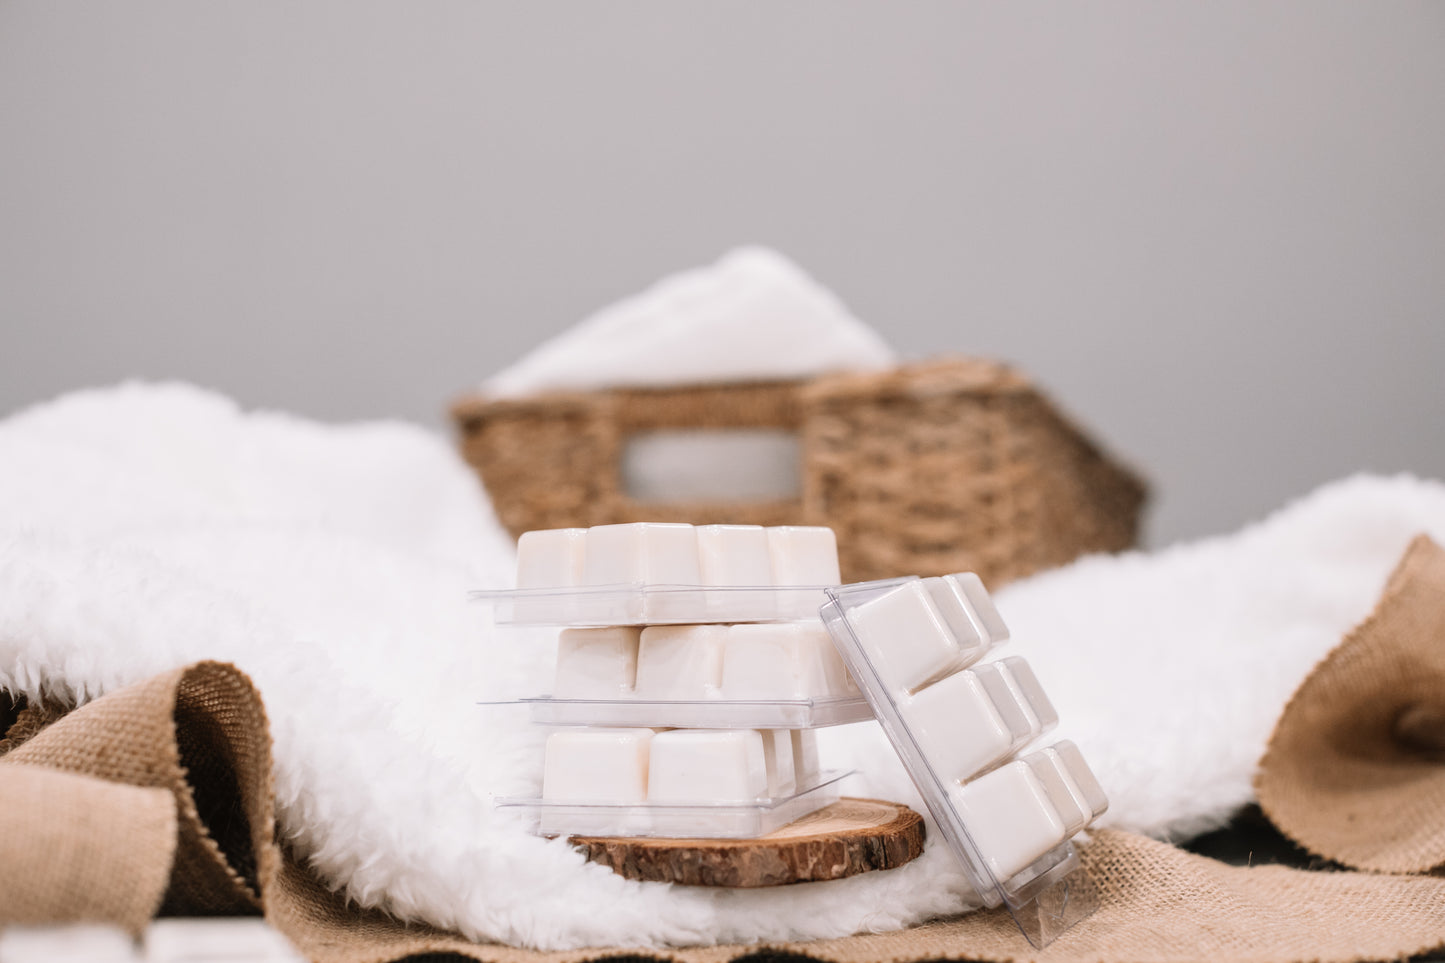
x=946 y=466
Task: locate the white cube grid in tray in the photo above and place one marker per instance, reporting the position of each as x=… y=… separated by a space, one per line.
x=687 y=683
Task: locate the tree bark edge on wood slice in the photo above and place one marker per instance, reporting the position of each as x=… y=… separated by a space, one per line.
x=849 y=837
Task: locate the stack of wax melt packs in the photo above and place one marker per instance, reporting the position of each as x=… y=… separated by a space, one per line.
x=961 y=727
x=692 y=669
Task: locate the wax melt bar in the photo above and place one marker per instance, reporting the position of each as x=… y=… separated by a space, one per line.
x=783 y=660
x=914 y=647
x=648 y=573
x=769 y=675
x=597 y=765
x=676 y=554
x=710 y=819
x=596 y=663
x=676 y=662
x=1010 y=818
x=708 y=766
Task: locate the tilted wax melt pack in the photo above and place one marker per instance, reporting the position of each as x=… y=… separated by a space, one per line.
x=687 y=689
x=914 y=645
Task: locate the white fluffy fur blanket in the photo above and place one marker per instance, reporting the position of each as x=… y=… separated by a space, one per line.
x=146 y=527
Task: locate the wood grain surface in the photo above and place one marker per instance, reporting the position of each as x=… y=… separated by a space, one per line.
x=849 y=837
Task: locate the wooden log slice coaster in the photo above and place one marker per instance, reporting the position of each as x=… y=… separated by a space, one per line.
x=849 y=837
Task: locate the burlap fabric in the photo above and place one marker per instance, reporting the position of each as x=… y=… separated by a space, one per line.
x=68 y=848
x=160 y=795
x=1355 y=770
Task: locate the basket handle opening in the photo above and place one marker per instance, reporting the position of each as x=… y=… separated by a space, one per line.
x=677 y=465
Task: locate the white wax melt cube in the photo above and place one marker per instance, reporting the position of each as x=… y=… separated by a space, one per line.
x=731 y=556
x=958 y=614
x=1066 y=799
x=1010 y=818
x=907 y=640
x=641 y=552
x=983 y=609
x=806 y=770
x=707 y=766
x=804 y=555
x=778 y=758
x=734 y=555
x=1031 y=696
x=551 y=558
x=678 y=662
x=783 y=660
x=1009 y=702
x=957 y=727
x=596 y=663
x=1080 y=778
x=597 y=765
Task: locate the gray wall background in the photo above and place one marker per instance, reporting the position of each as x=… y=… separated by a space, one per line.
x=1214 y=232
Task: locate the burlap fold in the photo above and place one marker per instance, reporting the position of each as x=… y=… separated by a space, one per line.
x=1354 y=770
x=201 y=734
x=196 y=745
x=77 y=849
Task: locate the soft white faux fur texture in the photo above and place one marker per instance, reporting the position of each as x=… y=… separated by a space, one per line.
x=147 y=526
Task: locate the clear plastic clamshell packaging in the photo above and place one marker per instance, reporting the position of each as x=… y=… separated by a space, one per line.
x=657 y=574
x=752 y=675
x=713 y=783
x=913 y=645
x=691 y=669
x=711 y=655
